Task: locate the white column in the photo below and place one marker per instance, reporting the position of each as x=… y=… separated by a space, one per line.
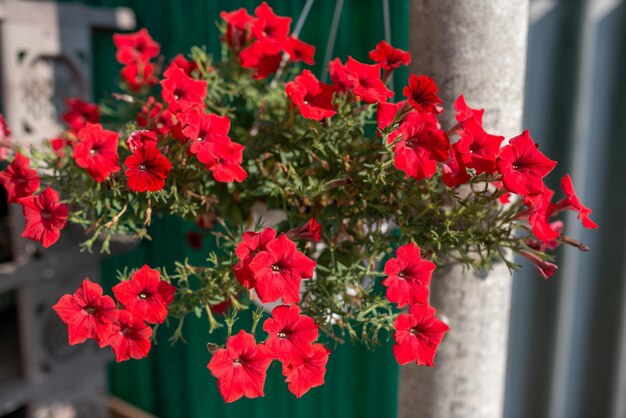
x=478 y=48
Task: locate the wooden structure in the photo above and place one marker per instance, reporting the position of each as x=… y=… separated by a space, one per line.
x=45 y=56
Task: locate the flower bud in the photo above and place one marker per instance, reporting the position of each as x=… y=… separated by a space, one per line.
x=545 y=268
x=333 y=184
x=310 y=231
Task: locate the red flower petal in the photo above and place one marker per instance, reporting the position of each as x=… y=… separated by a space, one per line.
x=45 y=217
x=96 y=151
x=147 y=169
x=87 y=313
x=408 y=276
x=279 y=270
x=421 y=93
x=389 y=57
x=18 y=179
x=129 y=338
x=523 y=166
x=290 y=334
x=145 y=295
x=418 y=334
x=307 y=371
x=241 y=367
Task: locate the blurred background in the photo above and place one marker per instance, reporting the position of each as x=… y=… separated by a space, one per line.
x=567 y=344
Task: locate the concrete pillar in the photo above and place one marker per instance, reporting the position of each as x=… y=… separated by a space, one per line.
x=478 y=48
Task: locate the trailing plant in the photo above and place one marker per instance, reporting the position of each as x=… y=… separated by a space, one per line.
x=369 y=190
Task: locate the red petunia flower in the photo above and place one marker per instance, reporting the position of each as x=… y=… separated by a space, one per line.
x=200 y=127
x=96 y=151
x=279 y=269
x=386 y=113
x=250 y=245
x=421 y=145
x=241 y=367
x=421 y=93
x=152 y=116
x=312 y=97
x=299 y=51
x=270 y=26
x=145 y=295
x=389 y=57
x=141 y=139
x=540 y=208
x=180 y=91
x=45 y=217
x=80 y=113
x=129 y=338
x=478 y=149
x=306 y=371
x=465 y=113
x=224 y=160
x=535 y=244
x=147 y=169
x=418 y=334
x=408 y=276
x=263 y=56
x=18 y=179
x=523 y=166
x=138 y=46
x=365 y=82
x=545 y=268
x=571 y=201
x=184 y=64
x=290 y=334
x=339 y=75
x=238 y=24
x=87 y=313
x=453 y=171
x=138 y=74
x=310 y=231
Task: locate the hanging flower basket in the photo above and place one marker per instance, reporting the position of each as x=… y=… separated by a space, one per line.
x=358 y=176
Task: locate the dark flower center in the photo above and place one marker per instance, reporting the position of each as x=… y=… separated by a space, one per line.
x=365 y=82
x=94 y=150
x=179 y=93
x=143 y=295
x=142 y=167
x=418 y=96
x=275 y=268
x=46 y=214
x=282 y=335
x=412 y=142
x=90 y=310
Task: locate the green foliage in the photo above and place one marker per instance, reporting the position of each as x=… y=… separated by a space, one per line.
x=339 y=171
